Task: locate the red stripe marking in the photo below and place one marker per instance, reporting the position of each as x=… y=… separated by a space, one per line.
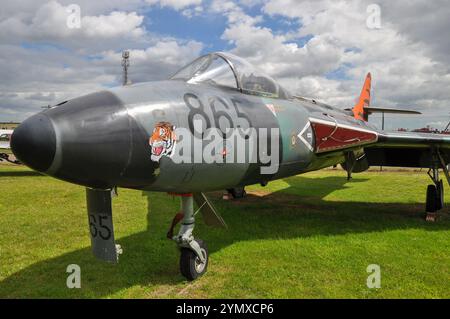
x=343 y=137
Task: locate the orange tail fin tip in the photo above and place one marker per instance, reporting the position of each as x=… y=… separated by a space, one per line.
x=363 y=101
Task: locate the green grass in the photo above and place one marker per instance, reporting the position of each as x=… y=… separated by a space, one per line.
x=309 y=236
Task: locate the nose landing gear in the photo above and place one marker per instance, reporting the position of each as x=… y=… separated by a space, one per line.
x=194 y=252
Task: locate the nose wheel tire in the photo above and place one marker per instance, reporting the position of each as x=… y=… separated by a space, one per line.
x=191 y=266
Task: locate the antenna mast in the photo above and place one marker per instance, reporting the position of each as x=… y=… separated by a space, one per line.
x=125 y=65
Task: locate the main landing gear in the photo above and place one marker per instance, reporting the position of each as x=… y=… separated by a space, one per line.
x=194 y=252
x=435 y=195
x=236 y=193
x=435 y=192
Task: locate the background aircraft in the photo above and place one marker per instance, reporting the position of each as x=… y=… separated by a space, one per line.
x=5 y=148
x=131 y=137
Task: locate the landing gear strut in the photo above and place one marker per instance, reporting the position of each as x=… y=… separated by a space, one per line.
x=194 y=253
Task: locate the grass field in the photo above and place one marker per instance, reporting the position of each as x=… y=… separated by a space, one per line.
x=309 y=236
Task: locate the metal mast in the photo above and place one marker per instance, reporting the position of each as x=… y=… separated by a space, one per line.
x=125 y=65
x=446 y=128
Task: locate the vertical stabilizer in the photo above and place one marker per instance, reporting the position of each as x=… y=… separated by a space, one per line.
x=363 y=101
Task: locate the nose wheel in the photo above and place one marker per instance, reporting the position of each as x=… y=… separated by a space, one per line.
x=191 y=266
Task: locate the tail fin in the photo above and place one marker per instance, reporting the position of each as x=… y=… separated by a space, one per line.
x=362 y=109
x=364 y=100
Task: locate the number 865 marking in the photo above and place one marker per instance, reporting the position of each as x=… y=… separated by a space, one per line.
x=97 y=228
x=229 y=113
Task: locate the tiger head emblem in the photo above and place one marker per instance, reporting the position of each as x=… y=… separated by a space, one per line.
x=162 y=140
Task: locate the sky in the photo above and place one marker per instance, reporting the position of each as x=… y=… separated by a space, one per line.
x=315 y=48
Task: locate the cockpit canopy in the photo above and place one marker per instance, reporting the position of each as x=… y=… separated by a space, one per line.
x=225 y=69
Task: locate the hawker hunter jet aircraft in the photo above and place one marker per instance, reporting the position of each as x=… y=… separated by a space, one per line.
x=218 y=123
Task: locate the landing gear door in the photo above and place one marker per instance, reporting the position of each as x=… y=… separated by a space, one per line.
x=101 y=225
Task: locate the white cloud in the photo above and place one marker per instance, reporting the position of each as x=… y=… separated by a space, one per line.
x=175 y=4
x=193 y=11
x=37 y=78
x=49 y=23
x=406 y=71
x=44 y=62
x=157 y=62
x=113 y=25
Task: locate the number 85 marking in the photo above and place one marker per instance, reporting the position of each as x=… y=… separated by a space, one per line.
x=98 y=228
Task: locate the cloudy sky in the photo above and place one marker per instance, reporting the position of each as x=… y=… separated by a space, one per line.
x=316 y=48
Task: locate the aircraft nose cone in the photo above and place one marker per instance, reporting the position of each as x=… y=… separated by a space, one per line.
x=34 y=142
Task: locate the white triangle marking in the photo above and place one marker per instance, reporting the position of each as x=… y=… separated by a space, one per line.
x=300 y=136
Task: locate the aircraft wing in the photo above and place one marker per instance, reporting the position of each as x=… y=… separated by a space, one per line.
x=413 y=139
x=409 y=149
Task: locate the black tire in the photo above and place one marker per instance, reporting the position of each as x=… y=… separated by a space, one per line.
x=190 y=265
x=237 y=192
x=432 y=199
x=440 y=194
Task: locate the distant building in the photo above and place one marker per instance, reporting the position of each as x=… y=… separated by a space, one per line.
x=8 y=125
x=427 y=129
